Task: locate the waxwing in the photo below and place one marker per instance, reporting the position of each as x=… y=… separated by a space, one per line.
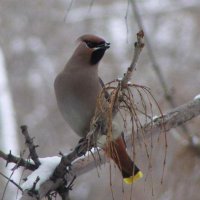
x=77 y=88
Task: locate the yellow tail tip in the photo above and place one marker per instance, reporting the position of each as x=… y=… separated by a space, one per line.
x=133 y=178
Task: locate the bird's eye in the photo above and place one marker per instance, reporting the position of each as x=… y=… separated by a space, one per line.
x=91 y=44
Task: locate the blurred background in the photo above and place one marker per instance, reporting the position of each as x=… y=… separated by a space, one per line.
x=37 y=38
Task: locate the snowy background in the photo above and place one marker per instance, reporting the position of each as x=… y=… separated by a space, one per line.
x=37 y=38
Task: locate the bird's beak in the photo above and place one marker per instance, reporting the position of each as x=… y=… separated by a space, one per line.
x=104 y=46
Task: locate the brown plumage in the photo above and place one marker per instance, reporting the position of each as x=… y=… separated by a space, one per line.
x=77 y=88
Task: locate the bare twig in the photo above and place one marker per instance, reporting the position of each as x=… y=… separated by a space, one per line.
x=31 y=194
x=91 y=4
x=33 y=190
x=151 y=54
x=138 y=48
x=32 y=147
x=20 y=162
x=10 y=180
x=156 y=66
x=68 y=9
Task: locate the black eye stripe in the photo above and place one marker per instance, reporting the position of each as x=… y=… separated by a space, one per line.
x=93 y=44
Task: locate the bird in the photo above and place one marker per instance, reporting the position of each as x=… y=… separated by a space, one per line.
x=77 y=87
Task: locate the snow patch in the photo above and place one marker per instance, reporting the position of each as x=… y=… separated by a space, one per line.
x=44 y=171
x=155 y=118
x=88 y=153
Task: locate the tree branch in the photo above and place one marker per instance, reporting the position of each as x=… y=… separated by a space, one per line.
x=167 y=94
x=10 y=180
x=32 y=147
x=20 y=162
x=138 y=48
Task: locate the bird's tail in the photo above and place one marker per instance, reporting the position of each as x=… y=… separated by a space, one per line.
x=116 y=150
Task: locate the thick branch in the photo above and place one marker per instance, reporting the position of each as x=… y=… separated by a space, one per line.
x=175 y=117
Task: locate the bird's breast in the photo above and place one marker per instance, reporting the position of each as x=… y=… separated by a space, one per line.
x=76 y=98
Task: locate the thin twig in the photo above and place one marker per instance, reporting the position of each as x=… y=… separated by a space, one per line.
x=150 y=52
x=91 y=4
x=20 y=162
x=10 y=180
x=32 y=147
x=68 y=9
x=6 y=186
x=156 y=66
x=138 y=48
x=33 y=189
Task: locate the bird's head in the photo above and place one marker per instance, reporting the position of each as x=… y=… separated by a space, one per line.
x=91 y=48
